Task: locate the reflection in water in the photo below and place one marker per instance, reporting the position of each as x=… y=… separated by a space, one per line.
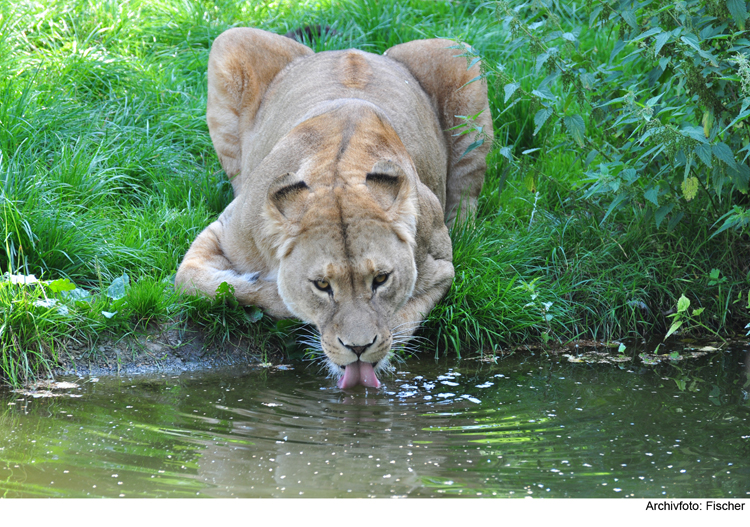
x=521 y=427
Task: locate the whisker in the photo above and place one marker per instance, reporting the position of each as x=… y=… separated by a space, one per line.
x=407 y=326
x=313 y=344
x=409 y=338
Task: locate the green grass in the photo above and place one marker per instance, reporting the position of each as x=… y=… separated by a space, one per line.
x=106 y=168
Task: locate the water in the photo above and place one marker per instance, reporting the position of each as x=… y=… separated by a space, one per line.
x=524 y=426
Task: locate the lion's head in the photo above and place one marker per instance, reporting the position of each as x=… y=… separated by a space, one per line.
x=344 y=233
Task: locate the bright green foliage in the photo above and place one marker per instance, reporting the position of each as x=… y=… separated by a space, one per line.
x=657 y=106
x=223 y=317
x=682 y=315
x=625 y=112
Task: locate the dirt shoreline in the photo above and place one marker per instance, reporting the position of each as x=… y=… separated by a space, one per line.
x=161 y=349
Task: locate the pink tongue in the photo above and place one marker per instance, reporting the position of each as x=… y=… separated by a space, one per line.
x=367 y=375
x=359 y=373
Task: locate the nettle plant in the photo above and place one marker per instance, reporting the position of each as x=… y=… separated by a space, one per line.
x=659 y=122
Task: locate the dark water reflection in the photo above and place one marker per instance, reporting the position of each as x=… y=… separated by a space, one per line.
x=525 y=426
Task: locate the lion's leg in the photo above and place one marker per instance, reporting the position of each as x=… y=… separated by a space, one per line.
x=434 y=259
x=443 y=74
x=205 y=267
x=433 y=284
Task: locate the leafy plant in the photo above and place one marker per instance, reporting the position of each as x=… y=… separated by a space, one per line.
x=223 y=315
x=683 y=315
x=658 y=119
x=539 y=307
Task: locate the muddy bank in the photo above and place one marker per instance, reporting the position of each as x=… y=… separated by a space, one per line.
x=159 y=349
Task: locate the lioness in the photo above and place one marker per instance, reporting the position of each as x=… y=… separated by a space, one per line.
x=345 y=174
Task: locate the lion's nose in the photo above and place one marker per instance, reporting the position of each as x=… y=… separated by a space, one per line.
x=358 y=350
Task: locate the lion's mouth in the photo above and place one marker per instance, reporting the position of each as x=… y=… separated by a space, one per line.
x=359 y=373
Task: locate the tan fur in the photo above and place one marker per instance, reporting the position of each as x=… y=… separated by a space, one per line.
x=298 y=133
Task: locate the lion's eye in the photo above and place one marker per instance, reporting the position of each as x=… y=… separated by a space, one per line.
x=379 y=280
x=323 y=285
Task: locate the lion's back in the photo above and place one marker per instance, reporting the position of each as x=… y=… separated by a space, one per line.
x=311 y=85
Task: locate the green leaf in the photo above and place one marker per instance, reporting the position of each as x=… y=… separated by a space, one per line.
x=652 y=195
x=576 y=127
x=540 y=60
x=590 y=157
x=529 y=182
x=683 y=304
x=629 y=175
x=619 y=46
x=510 y=89
x=594 y=15
x=674 y=327
x=629 y=17
x=723 y=152
x=621 y=348
x=253 y=314
x=732 y=219
x=704 y=153
x=225 y=295
x=661 y=39
x=116 y=290
x=285 y=326
x=479 y=142
x=543 y=92
x=694 y=132
x=475 y=79
x=653 y=100
x=63 y=284
x=506 y=153
x=588 y=80
x=540 y=117
x=692 y=41
x=650 y=32
x=738 y=9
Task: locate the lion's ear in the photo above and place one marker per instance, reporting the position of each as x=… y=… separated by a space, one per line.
x=385 y=182
x=285 y=204
x=288 y=196
x=394 y=192
x=242 y=63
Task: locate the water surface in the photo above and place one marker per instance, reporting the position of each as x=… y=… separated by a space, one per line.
x=523 y=426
